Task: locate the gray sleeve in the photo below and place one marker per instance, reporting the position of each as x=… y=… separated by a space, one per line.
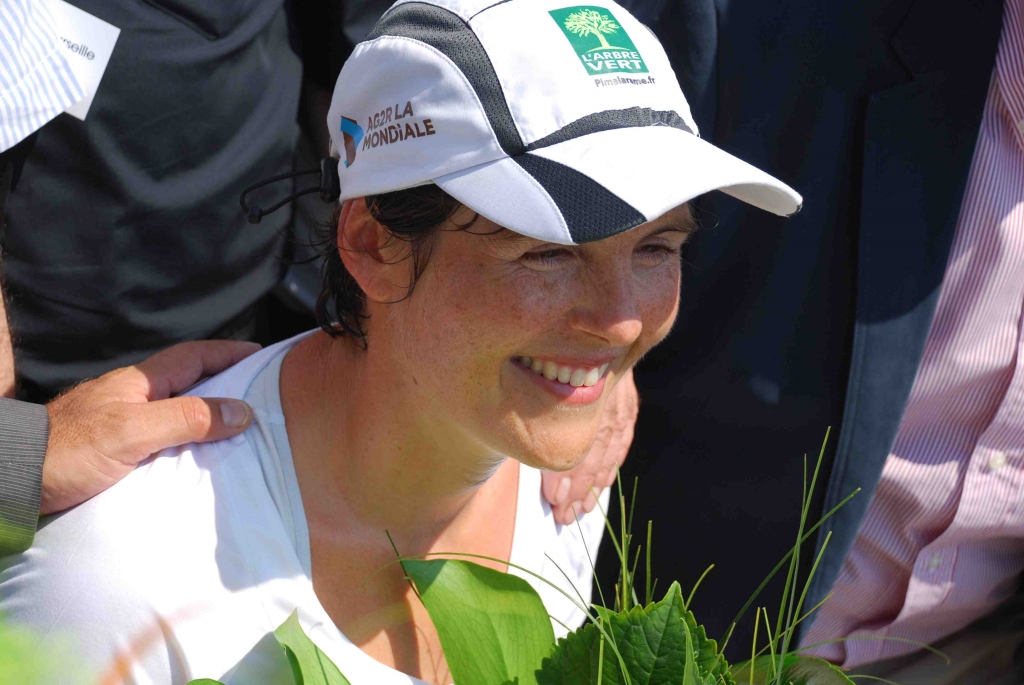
x=24 y=431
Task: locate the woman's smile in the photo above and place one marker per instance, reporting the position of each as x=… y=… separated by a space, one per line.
x=572 y=383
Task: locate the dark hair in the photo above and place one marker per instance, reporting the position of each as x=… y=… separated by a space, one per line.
x=412 y=215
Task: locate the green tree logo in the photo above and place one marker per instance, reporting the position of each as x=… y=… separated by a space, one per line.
x=584 y=25
x=588 y=22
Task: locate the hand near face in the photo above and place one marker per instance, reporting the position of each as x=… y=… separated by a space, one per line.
x=103 y=428
x=574 y=489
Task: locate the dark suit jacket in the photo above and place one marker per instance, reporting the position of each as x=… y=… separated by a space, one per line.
x=871 y=109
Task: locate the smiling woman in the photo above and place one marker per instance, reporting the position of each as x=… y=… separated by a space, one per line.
x=487 y=287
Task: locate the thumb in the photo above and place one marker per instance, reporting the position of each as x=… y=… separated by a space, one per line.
x=180 y=420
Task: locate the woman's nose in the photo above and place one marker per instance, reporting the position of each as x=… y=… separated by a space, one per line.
x=611 y=312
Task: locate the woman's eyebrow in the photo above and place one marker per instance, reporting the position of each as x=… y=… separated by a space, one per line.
x=682 y=227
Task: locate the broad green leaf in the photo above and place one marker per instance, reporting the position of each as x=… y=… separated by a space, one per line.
x=493 y=627
x=575 y=660
x=652 y=642
x=796 y=670
x=204 y=681
x=310 y=666
x=709 y=661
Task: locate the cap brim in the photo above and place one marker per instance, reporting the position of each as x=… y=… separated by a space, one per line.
x=604 y=183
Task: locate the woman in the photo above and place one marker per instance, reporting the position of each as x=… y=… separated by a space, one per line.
x=506 y=249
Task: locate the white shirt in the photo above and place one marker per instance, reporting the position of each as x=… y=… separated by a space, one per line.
x=195 y=558
x=36 y=83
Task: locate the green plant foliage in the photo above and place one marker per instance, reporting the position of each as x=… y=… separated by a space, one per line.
x=493 y=627
x=653 y=643
x=310 y=666
x=796 y=670
x=23 y=660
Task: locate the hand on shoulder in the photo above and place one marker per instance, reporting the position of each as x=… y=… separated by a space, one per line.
x=101 y=429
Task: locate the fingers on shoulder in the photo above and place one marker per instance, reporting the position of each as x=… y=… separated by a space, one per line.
x=176 y=368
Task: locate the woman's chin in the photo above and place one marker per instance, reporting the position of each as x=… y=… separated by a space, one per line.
x=556 y=459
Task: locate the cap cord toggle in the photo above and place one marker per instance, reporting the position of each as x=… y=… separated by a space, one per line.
x=329 y=189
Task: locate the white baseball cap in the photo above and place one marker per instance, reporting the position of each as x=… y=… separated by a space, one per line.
x=563 y=123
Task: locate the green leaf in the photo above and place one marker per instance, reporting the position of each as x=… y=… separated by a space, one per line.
x=204 y=681
x=653 y=642
x=577 y=658
x=493 y=626
x=709 y=661
x=689 y=677
x=796 y=670
x=310 y=666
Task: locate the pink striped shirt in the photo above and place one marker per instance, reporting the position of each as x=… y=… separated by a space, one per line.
x=942 y=542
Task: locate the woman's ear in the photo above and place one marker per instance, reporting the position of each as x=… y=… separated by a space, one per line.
x=366 y=250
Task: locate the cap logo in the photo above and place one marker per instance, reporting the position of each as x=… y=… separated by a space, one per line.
x=600 y=42
x=352 y=133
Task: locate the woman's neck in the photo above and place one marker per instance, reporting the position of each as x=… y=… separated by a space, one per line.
x=372 y=452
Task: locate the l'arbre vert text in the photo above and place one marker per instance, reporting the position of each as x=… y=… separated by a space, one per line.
x=612 y=60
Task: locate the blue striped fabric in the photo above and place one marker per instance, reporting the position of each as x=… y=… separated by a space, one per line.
x=36 y=82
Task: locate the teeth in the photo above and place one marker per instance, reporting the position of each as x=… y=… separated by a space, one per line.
x=550 y=371
x=575 y=377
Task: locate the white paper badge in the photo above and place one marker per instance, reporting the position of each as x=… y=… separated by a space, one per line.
x=88 y=43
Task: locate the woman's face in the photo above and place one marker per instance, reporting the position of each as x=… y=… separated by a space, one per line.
x=515 y=344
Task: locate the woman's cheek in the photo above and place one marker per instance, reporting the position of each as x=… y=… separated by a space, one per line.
x=660 y=294
x=526 y=301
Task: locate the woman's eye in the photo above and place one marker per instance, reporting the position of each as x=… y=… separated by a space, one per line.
x=549 y=257
x=656 y=253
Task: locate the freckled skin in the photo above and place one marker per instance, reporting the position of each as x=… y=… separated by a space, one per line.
x=478 y=304
x=419 y=433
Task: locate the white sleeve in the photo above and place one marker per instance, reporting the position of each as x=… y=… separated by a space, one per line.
x=150 y=574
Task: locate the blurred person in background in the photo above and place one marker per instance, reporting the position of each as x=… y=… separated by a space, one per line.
x=889 y=308
x=123 y=234
x=55 y=457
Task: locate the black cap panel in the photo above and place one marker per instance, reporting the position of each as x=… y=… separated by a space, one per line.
x=591 y=211
x=451 y=36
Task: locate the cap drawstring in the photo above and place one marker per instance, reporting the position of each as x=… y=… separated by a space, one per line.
x=329 y=189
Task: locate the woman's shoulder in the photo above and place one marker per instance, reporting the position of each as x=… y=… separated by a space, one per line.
x=153 y=567
x=163 y=564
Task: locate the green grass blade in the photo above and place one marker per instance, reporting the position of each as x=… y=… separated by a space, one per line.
x=753 y=645
x=686 y=604
x=771 y=644
x=590 y=559
x=647 y=577
x=920 y=645
x=768 y=578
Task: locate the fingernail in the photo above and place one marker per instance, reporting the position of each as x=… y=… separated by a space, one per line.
x=589 y=503
x=234 y=413
x=563 y=490
x=575 y=511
